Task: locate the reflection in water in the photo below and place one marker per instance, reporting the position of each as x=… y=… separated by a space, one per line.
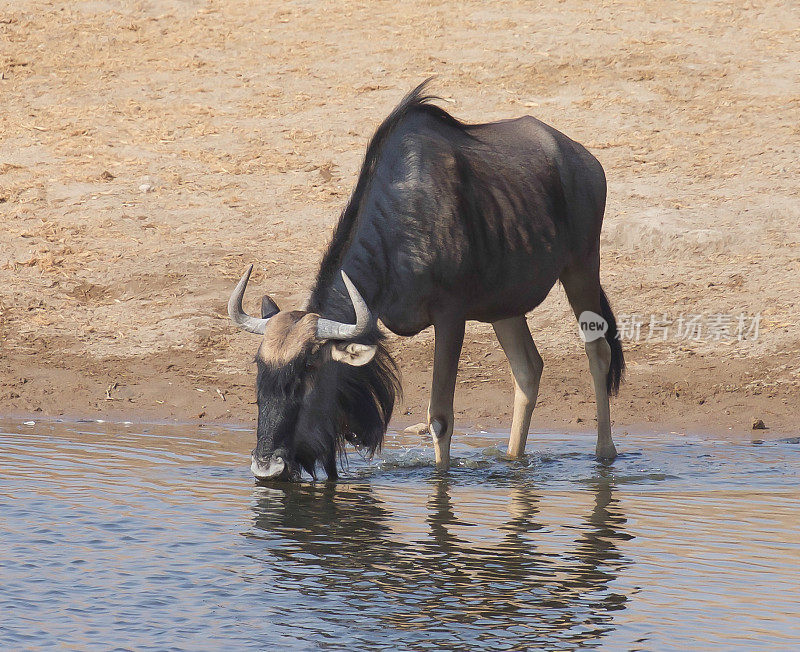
x=156 y=539
x=444 y=584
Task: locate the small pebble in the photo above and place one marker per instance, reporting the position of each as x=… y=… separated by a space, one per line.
x=418 y=429
x=29 y=423
x=145 y=187
x=758 y=424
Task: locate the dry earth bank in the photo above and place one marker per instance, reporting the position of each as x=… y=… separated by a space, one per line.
x=150 y=150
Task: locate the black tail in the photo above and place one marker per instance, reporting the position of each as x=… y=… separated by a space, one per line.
x=617 y=368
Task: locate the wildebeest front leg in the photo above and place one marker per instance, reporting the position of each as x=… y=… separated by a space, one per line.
x=449 y=336
x=526 y=367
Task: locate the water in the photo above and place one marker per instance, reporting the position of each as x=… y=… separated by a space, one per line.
x=155 y=537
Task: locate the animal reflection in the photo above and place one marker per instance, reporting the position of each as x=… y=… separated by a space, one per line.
x=510 y=591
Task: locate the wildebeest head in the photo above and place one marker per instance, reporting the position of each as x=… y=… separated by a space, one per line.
x=309 y=403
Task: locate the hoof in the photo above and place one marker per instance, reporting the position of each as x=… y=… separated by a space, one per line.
x=606 y=453
x=418 y=429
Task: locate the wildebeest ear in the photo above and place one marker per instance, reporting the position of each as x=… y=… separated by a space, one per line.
x=353 y=354
x=268 y=307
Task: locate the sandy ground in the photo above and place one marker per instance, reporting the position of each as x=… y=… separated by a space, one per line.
x=151 y=149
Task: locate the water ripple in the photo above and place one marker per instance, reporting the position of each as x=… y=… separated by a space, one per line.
x=160 y=539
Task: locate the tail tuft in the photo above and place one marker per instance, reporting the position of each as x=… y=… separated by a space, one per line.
x=617 y=368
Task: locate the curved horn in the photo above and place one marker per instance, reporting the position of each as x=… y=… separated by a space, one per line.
x=335 y=330
x=238 y=315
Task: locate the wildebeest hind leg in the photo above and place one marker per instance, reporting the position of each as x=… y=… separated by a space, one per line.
x=449 y=336
x=526 y=368
x=582 y=285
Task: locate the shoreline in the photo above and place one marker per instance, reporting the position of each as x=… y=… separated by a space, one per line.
x=167 y=389
x=648 y=430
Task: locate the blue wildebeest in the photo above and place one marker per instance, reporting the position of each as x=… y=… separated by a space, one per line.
x=448 y=222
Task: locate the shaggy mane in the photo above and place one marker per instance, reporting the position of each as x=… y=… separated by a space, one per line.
x=418 y=100
x=365 y=401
